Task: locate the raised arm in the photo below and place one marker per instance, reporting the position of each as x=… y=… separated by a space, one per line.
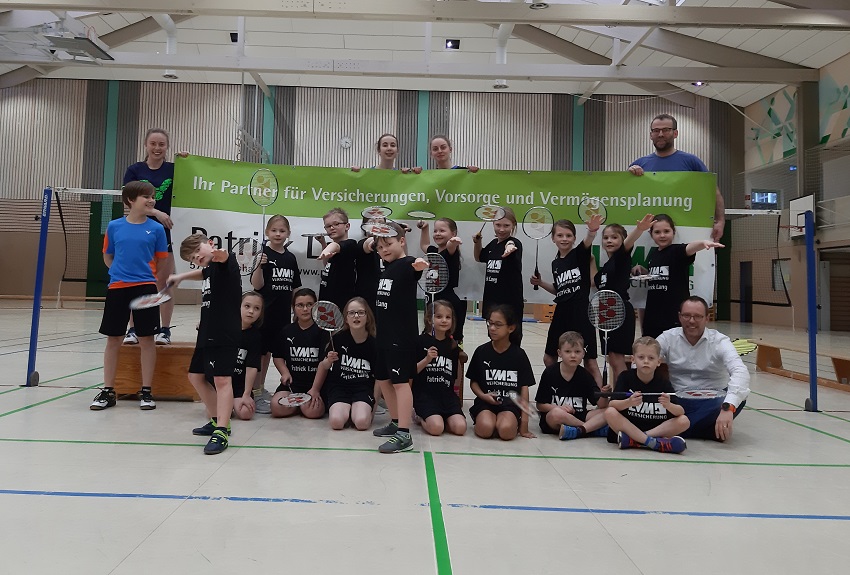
x=592 y=228
x=424 y=237
x=694 y=247
x=643 y=225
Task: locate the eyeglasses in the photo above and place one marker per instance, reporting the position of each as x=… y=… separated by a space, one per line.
x=496 y=324
x=304 y=305
x=690 y=316
x=334 y=225
x=356 y=313
x=656 y=131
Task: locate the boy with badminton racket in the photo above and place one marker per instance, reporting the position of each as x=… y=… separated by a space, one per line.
x=447 y=244
x=131 y=247
x=571 y=273
x=219 y=331
x=337 y=283
x=654 y=420
x=567 y=393
x=397 y=321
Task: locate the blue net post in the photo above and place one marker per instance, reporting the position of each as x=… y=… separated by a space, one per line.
x=812 y=305
x=32 y=374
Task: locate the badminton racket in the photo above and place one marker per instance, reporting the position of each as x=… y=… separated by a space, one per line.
x=248 y=252
x=294 y=399
x=523 y=404
x=379 y=229
x=264 y=193
x=376 y=212
x=590 y=208
x=327 y=316
x=606 y=312
x=537 y=224
x=434 y=279
x=488 y=213
x=152 y=300
x=421 y=215
x=689 y=394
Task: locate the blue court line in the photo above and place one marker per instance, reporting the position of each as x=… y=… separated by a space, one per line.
x=168 y=496
x=652 y=512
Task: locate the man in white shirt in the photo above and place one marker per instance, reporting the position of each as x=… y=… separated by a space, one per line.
x=700 y=358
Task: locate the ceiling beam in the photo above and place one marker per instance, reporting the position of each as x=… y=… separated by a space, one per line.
x=476 y=12
x=113 y=39
x=542 y=39
x=677 y=44
x=520 y=71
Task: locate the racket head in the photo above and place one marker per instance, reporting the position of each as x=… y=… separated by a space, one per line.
x=646 y=277
x=590 y=207
x=701 y=393
x=436 y=278
x=379 y=229
x=248 y=252
x=264 y=187
x=150 y=300
x=537 y=223
x=606 y=310
x=327 y=315
x=314 y=235
x=294 y=399
x=489 y=213
x=522 y=404
x=376 y=212
x=421 y=215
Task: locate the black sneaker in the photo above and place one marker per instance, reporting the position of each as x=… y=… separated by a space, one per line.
x=208 y=428
x=146 y=402
x=388 y=430
x=397 y=443
x=104 y=399
x=217 y=443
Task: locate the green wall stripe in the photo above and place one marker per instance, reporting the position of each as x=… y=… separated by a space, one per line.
x=268 y=123
x=422 y=133
x=578 y=136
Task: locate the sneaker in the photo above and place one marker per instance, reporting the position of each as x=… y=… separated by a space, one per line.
x=105 y=398
x=262 y=405
x=626 y=442
x=601 y=432
x=146 y=402
x=163 y=337
x=217 y=443
x=569 y=432
x=397 y=443
x=389 y=430
x=673 y=445
x=131 y=338
x=379 y=410
x=208 y=428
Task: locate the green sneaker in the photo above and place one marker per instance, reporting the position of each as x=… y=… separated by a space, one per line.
x=397 y=443
x=217 y=443
x=208 y=428
x=388 y=430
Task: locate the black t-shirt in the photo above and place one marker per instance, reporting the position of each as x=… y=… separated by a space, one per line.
x=247 y=356
x=438 y=377
x=616 y=273
x=353 y=369
x=578 y=392
x=453 y=263
x=667 y=293
x=161 y=179
x=500 y=373
x=650 y=413
x=369 y=267
x=503 y=278
x=395 y=307
x=302 y=350
x=281 y=276
x=221 y=318
x=571 y=274
x=339 y=275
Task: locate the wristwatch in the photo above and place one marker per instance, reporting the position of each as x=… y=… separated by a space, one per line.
x=727 y=407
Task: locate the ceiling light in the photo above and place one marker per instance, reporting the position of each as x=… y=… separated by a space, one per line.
x=452 y=44
x=538 y=5
x=500 y=85
x=699 y=83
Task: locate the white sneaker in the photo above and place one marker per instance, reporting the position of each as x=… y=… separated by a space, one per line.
x=131 y=338
x=163 y=337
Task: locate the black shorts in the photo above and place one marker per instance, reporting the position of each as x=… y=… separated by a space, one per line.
x=478 y=406
x=621 y=339
x=294 y=387
x=214 y=361
x=571 y=316
x=350 y=395
x=270 y=334
x=238 y=387
x=116 y=312
x=397 y=364
x=445 y=405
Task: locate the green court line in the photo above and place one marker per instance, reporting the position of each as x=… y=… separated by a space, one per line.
x=438 y=527
x=804 y=426
x=11 y=390
x=798 y=406
x=24 y=408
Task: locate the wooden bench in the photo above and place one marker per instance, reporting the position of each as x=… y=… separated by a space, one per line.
x=170 y=378
x=769 y=360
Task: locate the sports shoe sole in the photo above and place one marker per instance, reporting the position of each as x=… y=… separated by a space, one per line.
x=147 y=407
x=406 y=448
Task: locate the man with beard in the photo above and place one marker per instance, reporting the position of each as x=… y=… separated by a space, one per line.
x=663 y=133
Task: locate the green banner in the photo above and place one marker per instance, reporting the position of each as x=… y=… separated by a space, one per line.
x=209 y=183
